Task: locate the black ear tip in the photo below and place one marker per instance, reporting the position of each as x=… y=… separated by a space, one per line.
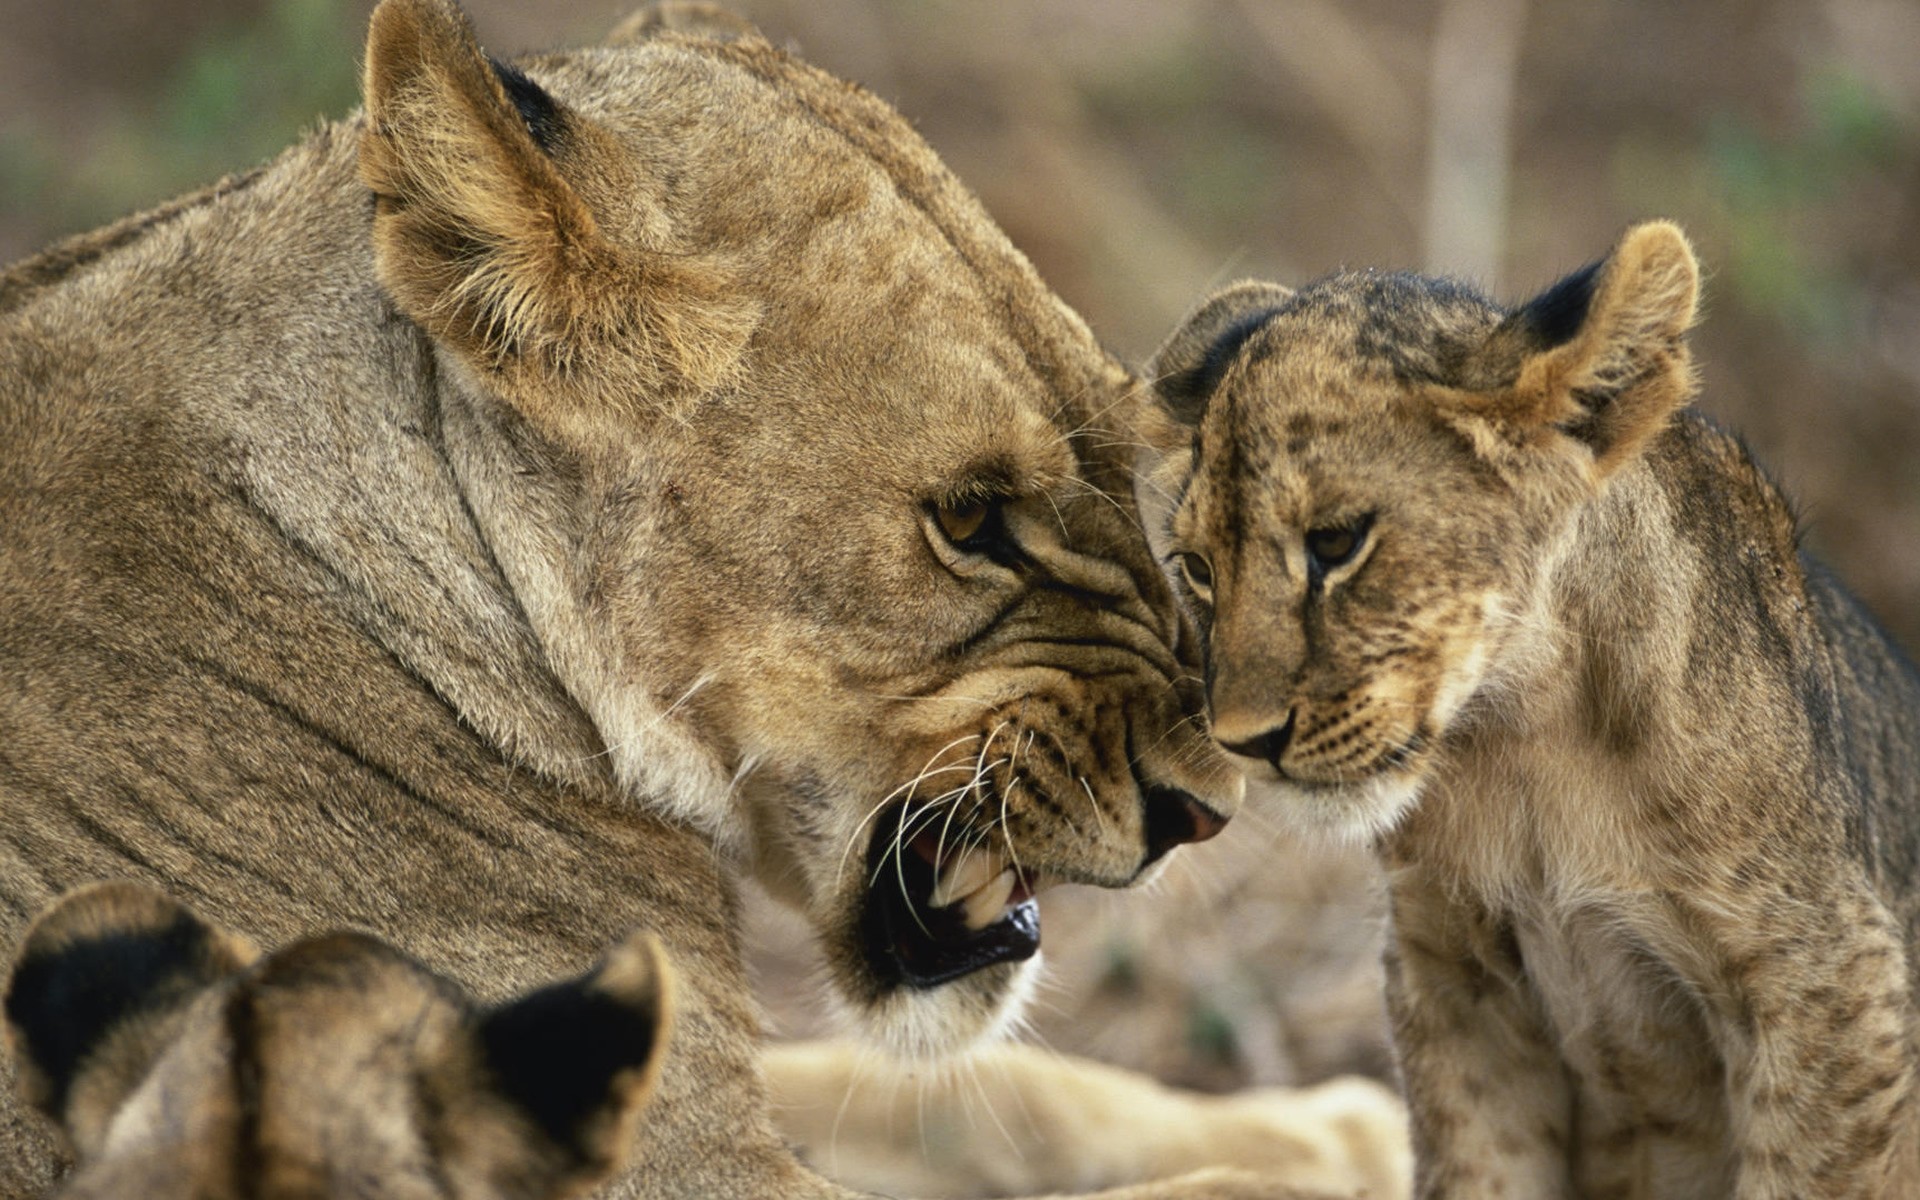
x=1555 y=315
x=94 y=961
x=545 y=120
x=557 y=1052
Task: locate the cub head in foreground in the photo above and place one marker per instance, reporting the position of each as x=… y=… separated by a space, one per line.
x=183 y=1066
x=1369 y=487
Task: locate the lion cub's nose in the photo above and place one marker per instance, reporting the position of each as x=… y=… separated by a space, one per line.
x=1267 y=746
x=1175 y=818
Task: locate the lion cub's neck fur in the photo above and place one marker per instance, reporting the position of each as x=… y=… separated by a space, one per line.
x=1608 y=682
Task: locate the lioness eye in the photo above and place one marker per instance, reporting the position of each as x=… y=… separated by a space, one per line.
x=1328 y=548
x=1199 y=574
x=961 y=521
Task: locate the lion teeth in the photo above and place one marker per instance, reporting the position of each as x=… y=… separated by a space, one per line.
x=964 y=875
x=984 y=907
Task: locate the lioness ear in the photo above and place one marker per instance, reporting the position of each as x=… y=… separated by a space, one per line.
x=581 y=1058
x=483 y=241
x=683 y=16
x=1188 y=366
x=1607 y=359
x=93 y=993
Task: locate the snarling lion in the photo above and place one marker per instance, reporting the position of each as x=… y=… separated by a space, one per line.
x=525 y=506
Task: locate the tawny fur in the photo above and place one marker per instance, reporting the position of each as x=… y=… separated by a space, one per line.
x=1011 y=1120
x=181 y=1066
x=517 y=510
x=1644 y=778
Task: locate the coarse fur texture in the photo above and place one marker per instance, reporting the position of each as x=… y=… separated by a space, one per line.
x=1479 y=588
x=182 y=1066
x=1017 y=1119
x=520 y=508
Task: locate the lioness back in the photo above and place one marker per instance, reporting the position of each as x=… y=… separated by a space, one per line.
x=181 y=1066
x=1645 y=779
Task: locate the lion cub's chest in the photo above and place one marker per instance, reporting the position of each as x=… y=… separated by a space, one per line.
x=1647 y=1087
x=1602 y=961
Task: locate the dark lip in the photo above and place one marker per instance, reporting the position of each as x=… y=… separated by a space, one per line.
x=909 y=944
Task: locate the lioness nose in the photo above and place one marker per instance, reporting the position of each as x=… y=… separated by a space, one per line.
x=1268 y=746
x=1175 y=818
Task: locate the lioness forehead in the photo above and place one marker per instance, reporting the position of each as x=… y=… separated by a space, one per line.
x=856 y=236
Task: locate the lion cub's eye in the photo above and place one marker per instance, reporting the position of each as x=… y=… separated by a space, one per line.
x=1198 y=573
x=962 y=521
x=1330 y=547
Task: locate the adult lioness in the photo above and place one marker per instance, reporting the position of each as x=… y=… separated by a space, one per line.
x=1646 y=780
x=182 y=1066
x=512 y=509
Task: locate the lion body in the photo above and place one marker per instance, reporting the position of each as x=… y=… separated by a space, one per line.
x=1645 y=780
x=1018 y=1120
x=437 y=531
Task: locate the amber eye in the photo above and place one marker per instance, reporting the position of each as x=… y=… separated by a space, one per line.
x=961 y=521
x=1330 y=547
x=1198 y=573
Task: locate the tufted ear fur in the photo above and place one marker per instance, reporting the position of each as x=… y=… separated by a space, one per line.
x=1604 y=356
x=1187 y=367
x=484 y=239
x=96 y=992
x=687 y=17
x=580 y=1059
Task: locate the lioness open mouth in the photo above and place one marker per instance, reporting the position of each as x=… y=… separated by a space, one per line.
x=940 y=905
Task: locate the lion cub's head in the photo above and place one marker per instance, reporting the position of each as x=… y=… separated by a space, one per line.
x=1363 y=485
x=814 y=496
x=181 y=1065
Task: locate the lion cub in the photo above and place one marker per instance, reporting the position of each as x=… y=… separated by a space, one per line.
x=180 y=1064
x=1643 y=776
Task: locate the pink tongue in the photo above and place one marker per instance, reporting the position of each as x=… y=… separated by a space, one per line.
x=927 y=845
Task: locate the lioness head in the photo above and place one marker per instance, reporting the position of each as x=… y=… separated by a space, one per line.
x=181 y=1065
x=815 y=496
x=1363 y=485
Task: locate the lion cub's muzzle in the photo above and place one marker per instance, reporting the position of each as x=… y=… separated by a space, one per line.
x=944 y=901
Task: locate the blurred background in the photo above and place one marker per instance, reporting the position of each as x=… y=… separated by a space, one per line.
x=1145 y=151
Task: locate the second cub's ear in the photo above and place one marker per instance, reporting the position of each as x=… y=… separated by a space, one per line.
x=580 y=1059
x=93 y=993
x=1608 y=361
x=485 y=242
x=1188 y=366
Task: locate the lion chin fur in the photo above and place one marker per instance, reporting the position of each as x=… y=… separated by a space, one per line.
x=1653 y=840
x=528 y=505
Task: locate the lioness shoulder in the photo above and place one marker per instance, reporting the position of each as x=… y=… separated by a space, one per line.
x=1479 y=588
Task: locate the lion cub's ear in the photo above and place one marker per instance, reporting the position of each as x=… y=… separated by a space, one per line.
x=1188 y=366
x=1605 y=356
x=684 y=16
x=483 y=238
x=96 y=992
x=580 y=1060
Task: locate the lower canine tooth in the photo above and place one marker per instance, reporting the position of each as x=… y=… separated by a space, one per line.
x=966 y=874
x=984 y=907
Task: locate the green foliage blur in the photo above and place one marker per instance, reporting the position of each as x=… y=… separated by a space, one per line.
x=242 y=94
